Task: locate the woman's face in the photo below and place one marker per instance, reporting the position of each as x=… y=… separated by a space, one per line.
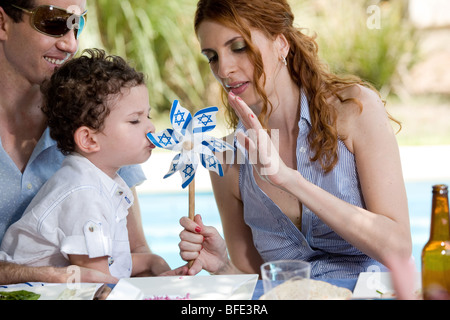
x=226 y=52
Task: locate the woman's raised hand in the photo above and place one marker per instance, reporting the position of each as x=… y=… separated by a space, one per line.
x=262 y=149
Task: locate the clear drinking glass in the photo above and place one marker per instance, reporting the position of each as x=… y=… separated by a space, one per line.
x=286 y=280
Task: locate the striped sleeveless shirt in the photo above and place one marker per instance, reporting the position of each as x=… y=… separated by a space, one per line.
x=277 y=238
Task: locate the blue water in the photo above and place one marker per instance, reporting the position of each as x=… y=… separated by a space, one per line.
x=161 y=214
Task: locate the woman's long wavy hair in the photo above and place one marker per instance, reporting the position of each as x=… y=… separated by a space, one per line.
x=274 y=17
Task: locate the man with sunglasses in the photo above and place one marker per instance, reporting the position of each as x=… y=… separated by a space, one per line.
x=36 y=36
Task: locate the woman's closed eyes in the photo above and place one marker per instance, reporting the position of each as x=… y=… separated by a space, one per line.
x=238 y=46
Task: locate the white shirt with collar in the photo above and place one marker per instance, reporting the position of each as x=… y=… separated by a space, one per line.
x=79 y=210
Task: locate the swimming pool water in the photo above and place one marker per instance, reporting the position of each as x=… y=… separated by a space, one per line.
x=161 y=214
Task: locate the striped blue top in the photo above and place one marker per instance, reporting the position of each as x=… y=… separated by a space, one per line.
x=277 y=238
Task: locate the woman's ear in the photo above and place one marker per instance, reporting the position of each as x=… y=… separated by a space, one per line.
x=86 y=140
x=282 y=45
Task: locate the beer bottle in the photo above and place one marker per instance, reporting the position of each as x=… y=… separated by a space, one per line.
x=436 y=253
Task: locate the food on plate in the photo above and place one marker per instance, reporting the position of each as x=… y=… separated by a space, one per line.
x=318 y=290
x=390 y=294
x=19 y=295
x=167 y=297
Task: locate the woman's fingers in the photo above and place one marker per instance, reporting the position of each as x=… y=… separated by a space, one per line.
x=188 y=255
x=235 y=106
x=195 y=268
x=243 y=111
x=262 y=148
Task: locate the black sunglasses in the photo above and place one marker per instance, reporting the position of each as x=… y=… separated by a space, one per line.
x=54 y=21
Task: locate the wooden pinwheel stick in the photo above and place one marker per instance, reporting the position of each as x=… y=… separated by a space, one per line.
x=188 y=146
x=191 y=207
x=192 y=199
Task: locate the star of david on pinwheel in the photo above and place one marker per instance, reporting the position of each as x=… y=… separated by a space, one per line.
x=179 y=117
x=189 y=137
x=165 y=138
x=205 y=119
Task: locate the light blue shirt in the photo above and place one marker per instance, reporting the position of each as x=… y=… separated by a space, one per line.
x=277 y=238
x=17 y=189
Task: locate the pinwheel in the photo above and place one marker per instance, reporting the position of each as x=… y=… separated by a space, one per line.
x=189 y=138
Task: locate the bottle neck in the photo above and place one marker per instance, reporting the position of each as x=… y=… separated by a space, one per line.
x=440 y=224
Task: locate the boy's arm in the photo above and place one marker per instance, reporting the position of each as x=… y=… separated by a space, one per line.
x=99 y=264
x=136 y=236
x=144 y=264
x=148 y=265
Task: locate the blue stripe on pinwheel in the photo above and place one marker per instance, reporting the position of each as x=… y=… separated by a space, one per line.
x=223 y=145
x=174 y=166
x=218 y=170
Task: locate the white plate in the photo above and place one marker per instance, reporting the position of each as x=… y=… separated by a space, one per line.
x=51 y=291
x=226 y=287
x=370 y=284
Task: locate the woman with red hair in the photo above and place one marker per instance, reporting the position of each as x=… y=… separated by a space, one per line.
x=326 y=183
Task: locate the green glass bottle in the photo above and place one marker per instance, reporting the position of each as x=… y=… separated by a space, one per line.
x=436 y=253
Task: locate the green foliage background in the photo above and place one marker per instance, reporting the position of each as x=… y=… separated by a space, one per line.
x=157 y=37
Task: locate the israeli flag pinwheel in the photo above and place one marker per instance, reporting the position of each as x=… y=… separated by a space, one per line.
x=189 y=138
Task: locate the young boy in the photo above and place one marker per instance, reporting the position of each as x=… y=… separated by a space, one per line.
x=98 y=112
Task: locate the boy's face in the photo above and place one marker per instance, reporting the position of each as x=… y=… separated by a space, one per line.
x=123 y=140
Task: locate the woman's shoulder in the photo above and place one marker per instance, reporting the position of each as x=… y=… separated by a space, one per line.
x=356 y=101
x=358 y=108
x=358 y=96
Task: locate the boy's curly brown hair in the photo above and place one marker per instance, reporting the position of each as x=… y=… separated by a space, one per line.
x=78 y=93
